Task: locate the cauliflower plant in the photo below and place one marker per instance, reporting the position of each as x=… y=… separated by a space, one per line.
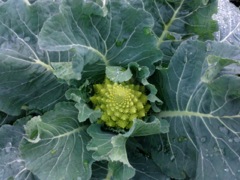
x=120 y=103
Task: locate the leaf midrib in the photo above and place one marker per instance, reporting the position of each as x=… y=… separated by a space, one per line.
x=77 y=130
x=169 y=114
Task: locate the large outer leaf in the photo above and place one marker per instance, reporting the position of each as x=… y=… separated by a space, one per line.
x=113 y=35
x=175 y=21
x=55 y=146
x=11 y=164
x=203 y=142
x=26 y=76
x=228 y=18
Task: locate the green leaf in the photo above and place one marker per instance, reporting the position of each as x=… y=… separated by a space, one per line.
x=26 y=74
x=80 y=96
x=112 y=147
x=176 y=21
x=54 y=147
x=102 y=144
x=141 y=128
x=12 y=166
x=119 y=171
x=141 y=160
x=146 y=169
x=81 y=93
x=87 y=113
x=118 y=74
x=99 y=170
x=142 y=74
x=99 y=39
x=203 y=141
x=228 y=18
x=216 y=64
x=63 y=70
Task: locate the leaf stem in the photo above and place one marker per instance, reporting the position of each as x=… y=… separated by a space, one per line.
x=109 y=174
x=177 y=113
x=101 y=56
x=167 y=26
x=48 y=67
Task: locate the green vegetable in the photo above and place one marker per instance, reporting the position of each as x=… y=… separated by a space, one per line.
x=53 y=52
x=120 y=103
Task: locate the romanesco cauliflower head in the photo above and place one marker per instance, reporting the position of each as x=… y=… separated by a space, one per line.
x=120 y=103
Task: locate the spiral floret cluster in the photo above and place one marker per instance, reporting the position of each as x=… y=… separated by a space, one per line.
x=120 y=103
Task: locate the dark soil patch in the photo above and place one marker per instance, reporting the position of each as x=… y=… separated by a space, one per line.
x=235 y=2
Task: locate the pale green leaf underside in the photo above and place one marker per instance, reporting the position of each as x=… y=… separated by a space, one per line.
x=204 y=118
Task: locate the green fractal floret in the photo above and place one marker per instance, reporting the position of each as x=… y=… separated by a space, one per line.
x=120 y=103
